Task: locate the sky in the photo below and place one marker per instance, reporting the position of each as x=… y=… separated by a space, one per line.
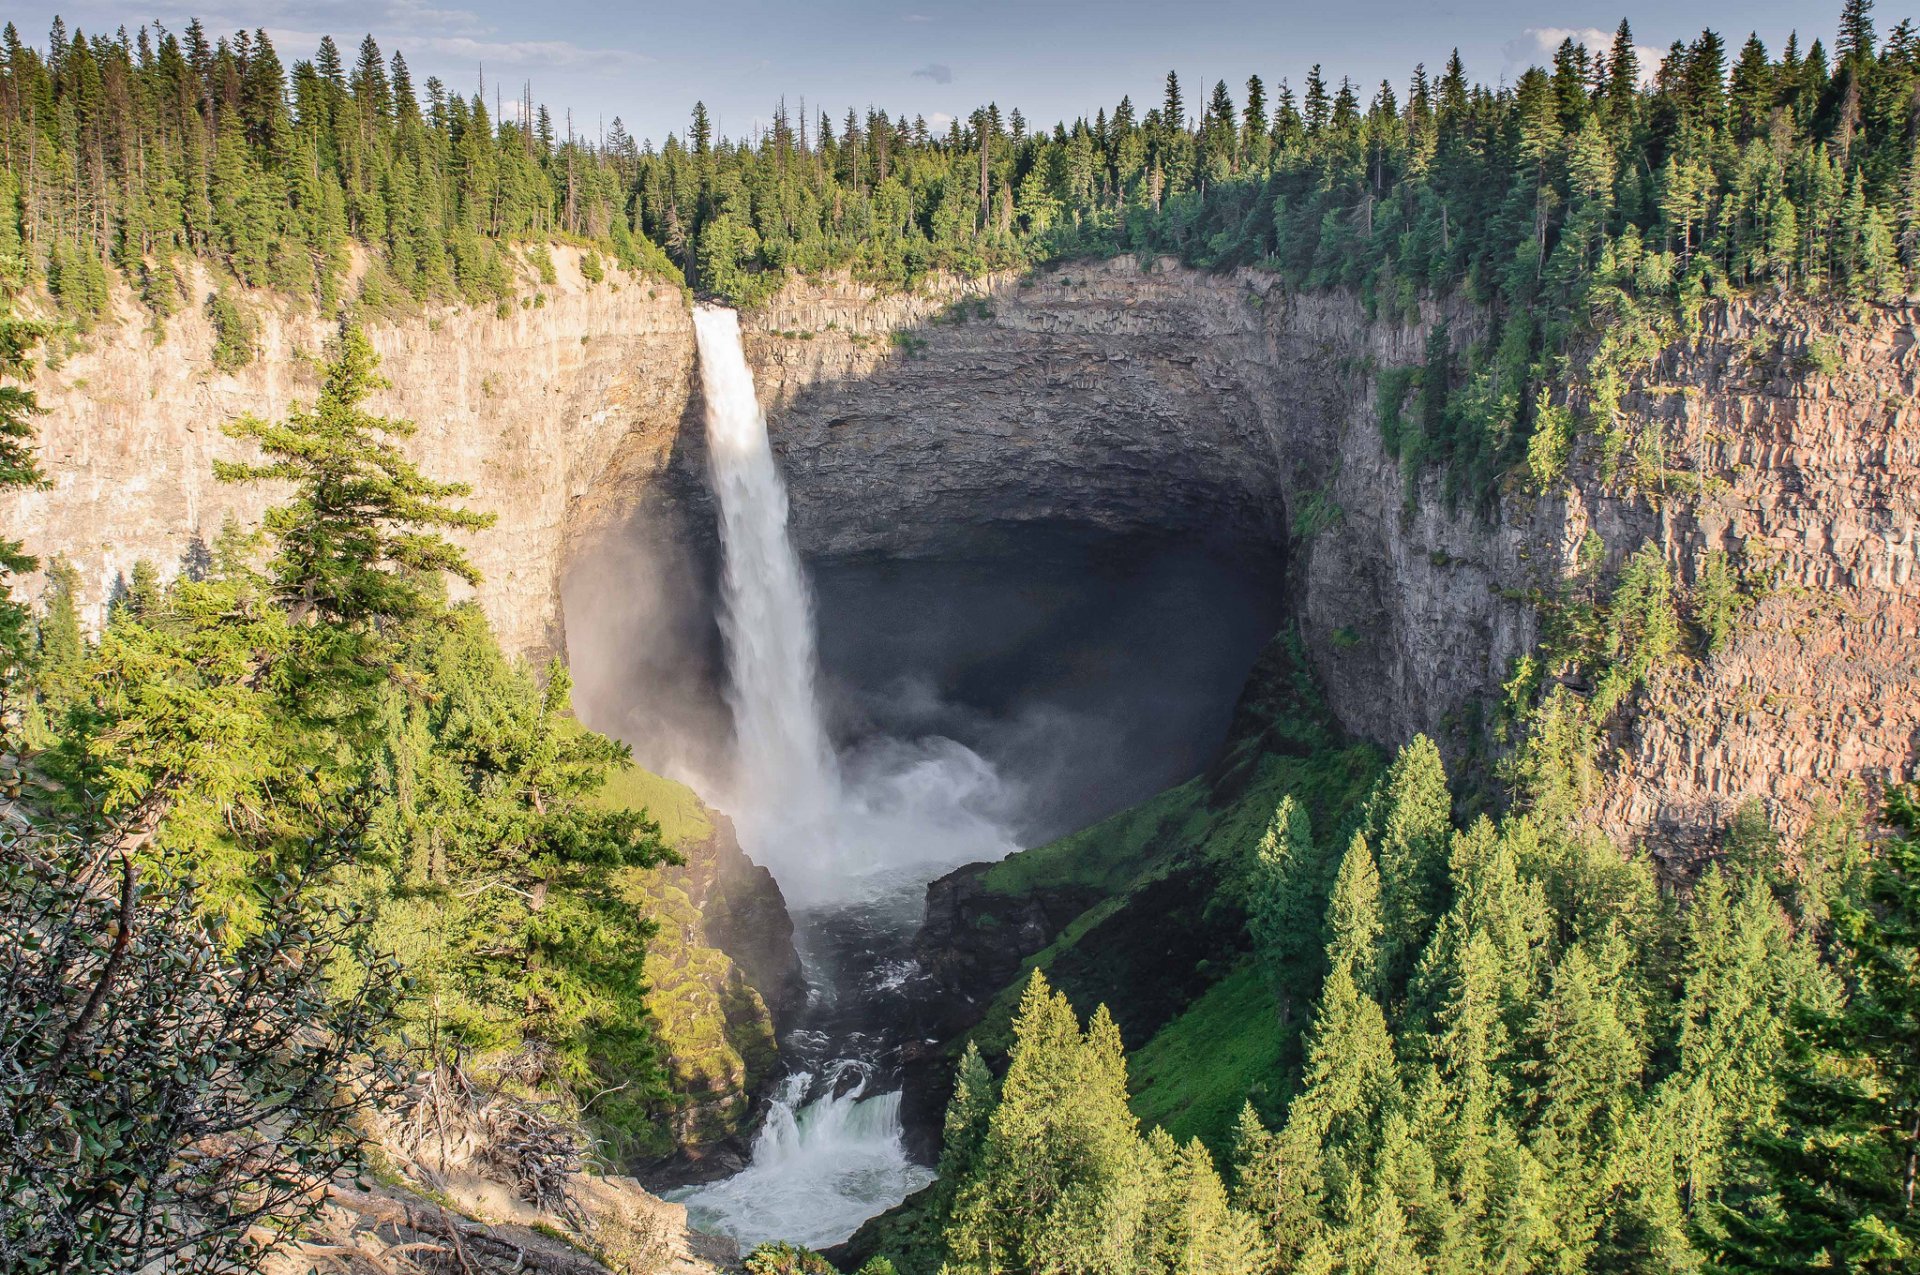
x=648 y=63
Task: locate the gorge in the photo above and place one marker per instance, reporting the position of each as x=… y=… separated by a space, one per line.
x=1112 y=398
x=963 y=464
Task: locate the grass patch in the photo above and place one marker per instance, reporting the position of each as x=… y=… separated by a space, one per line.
x=1192 y=1077
x=674 y=806
x=1106 y=856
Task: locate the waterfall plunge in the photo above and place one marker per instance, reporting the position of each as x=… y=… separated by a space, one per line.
x=829 y=831
x=786 y=782
x=839 y=835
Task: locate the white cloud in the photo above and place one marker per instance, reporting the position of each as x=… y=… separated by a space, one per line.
x=939 y=122
x=1536 y=45
x=539 y=53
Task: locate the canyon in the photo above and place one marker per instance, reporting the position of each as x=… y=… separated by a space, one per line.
x=1118 y=398
x=1206 y=447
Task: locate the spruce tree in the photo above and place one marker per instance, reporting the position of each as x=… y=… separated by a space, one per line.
x=1409 y=824
x=1844 y=1163
x=1354 y=925
x=1061 y=1181
x=358 y=549
x=1284 y=908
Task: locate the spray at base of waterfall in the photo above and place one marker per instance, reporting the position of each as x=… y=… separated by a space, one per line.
x=829 y=827
x=819 y=1168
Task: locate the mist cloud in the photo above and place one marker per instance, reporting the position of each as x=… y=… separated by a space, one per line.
x=938 y=72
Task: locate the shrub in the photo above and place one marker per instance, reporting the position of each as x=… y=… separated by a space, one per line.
x=134 y=1031
x=234 y=337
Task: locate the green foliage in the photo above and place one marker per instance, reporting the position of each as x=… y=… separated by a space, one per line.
x=235 y=340
x=78 y=281
x=175 y=1094
x=19 y=471
x=1574 y=201
x=358 y=547
x=497 y=876
x=1194 y=1075
x=1721 y=594
x=1595 y=652
x=1550 y=446
x=1408 y=820
x=1839 y=1166
x=272 y=187
x=1572 y=1073
x=781 y=1258
x=1285 y=892
x=290 y=767
x=1317 y=512
x=1060 y=1178
x=1822 y=356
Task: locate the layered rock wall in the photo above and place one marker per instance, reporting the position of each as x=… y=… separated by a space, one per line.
x=1129 y=399
x=528 y=408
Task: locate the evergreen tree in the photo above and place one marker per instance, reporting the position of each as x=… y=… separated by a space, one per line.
x=1284 y=906
x=1844 y=1162
x=1061 y=1182
x=1409 y=823
x=1354 y=927
x=358 y=547
x=19 y=470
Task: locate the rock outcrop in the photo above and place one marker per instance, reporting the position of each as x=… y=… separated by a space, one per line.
x=1117 y=397
x=528 y=407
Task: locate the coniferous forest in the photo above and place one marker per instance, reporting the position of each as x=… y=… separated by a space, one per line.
x=284 y=834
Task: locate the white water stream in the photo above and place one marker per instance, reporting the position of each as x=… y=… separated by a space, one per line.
x=837 y=833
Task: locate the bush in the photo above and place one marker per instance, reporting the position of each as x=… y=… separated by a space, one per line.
x=1822 y=356
x=787 y=1259
x=133 y=1031
x=235 y=339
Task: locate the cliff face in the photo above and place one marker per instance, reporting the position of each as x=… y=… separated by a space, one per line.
x=1225 y=405
x=1127 y=399
x=528 y=409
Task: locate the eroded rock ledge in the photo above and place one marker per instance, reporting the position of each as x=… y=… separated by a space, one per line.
x=1121 y=398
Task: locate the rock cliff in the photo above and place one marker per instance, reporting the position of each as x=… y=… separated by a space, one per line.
x=1117 y=397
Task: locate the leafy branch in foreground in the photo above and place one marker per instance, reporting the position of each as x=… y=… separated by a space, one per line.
x=169 y=1093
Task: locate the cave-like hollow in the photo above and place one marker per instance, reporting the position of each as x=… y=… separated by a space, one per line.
x=1057 y=537
x=1091 y=667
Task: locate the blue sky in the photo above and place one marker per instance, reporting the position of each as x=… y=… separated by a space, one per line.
x=648 y=62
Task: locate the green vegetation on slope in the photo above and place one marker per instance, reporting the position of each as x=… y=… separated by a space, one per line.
x=1197 y=1072
x=1165 y=921
x=292 y=759
x=713 y=1031
x=683 y=818
x=1429 y=1045
x=1567 y=1070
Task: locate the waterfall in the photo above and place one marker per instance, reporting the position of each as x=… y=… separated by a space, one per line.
x=819 y=1168
x=851 y=844
x=787 y=784
x=900 y=806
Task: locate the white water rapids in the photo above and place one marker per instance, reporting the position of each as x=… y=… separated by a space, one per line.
x=838 y=833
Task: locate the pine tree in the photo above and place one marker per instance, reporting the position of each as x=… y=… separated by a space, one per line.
x=359 y=543
x=1354 y=922
x=1844 y=1167
x=19 y=471
x=1061 y=1180
x=1587 y=1037
x=1409 y=824
x=1190 y=1227
x=1284 y=894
